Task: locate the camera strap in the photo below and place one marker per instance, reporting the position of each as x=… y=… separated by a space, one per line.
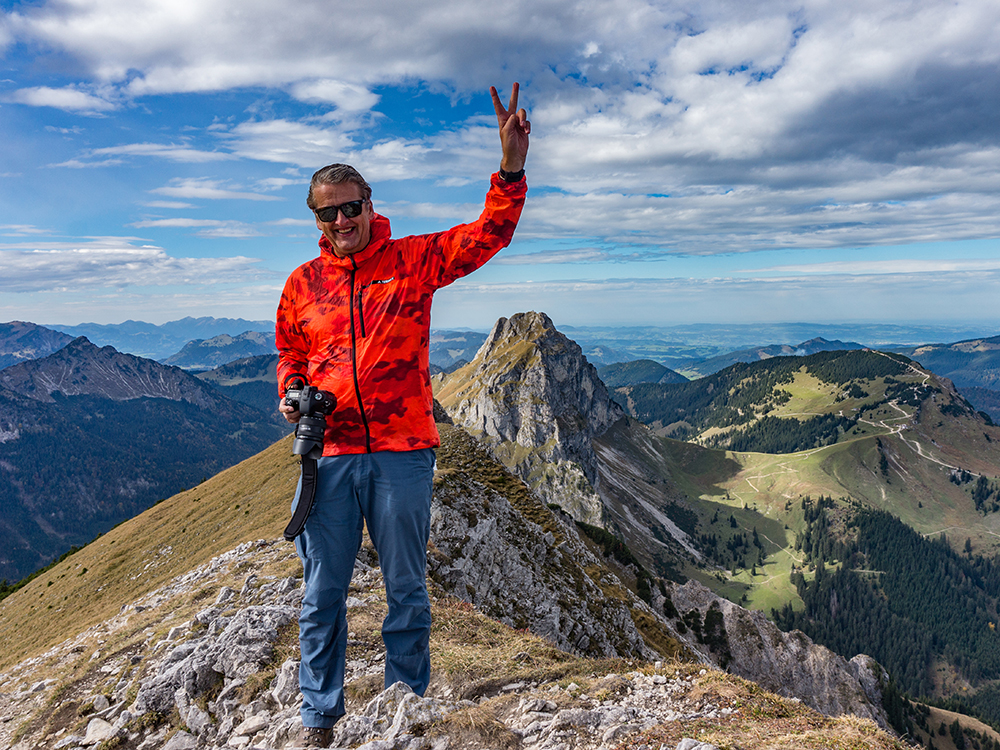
x=307 y=494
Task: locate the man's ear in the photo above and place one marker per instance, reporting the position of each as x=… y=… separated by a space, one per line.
x=319 y=225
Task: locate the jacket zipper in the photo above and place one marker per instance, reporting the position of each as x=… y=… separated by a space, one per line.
x=361 y=291
x=354 y=359
x=361 y=310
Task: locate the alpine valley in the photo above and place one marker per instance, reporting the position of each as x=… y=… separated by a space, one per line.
x=89 y=437
x=851 y=494
x=798 y=549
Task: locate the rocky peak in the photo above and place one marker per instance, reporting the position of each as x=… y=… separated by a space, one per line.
x=82 y=368
x=531 y=394
x=20 y=341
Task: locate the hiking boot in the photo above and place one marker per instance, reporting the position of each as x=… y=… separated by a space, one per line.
x=311 y=737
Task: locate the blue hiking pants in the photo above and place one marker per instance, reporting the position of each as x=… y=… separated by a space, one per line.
x=391 y=492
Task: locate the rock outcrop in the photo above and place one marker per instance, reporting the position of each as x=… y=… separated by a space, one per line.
x=484 y=548
x=788 y=664
x=221 y=679
x=531 y=395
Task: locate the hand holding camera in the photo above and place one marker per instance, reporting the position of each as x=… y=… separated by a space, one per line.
x=313 y=407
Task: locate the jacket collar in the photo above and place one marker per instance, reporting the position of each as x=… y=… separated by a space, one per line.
x=381 y=232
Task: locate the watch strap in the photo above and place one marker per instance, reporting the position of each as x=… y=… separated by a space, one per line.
x=512 y=176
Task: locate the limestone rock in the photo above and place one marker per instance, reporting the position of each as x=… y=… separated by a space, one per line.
x=181 y=741
x=392 y=717
x=790 y=664
x=98 y=730
x=253 y=724
x=286 y=684
x=484 y=548
x=690 y=744
x=533 y=397
x=197 y=665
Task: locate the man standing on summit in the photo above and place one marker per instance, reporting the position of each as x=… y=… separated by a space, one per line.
x=356 y=322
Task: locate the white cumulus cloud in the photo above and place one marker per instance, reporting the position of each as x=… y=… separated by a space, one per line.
x=71 y=99
x=208 y=189
x=112 y=262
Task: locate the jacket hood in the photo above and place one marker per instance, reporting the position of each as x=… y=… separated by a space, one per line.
x=380 y=234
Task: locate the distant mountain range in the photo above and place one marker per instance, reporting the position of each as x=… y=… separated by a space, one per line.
x=701 y=368
x=676 y=345
x=20 y=341
x=206 y=354
x=161 y=341
x=90 y=436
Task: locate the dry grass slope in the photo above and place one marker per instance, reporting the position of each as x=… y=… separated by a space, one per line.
x=245 y=502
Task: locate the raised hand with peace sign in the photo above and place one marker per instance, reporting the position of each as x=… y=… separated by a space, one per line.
x=514 y=130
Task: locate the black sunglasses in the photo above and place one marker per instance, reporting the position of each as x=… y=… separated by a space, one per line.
x=350 y=209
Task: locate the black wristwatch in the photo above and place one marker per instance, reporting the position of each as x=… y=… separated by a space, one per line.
x=512 y=176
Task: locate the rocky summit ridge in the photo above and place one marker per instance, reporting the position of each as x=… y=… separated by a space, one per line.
x=537 y=642
x=208 y=661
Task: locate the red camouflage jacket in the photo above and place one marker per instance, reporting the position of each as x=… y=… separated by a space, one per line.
x=360 y=326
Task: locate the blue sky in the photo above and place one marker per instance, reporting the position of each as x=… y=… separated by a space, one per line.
x=690 y=162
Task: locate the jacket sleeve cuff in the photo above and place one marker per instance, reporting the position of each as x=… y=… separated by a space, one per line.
x=520 y=186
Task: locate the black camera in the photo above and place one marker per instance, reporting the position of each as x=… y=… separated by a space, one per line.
x=314 y=406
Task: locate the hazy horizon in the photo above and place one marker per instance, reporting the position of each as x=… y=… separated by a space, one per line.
x=869 y=333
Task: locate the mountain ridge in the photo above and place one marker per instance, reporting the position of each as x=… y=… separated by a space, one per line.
x=814 y=345
x=972 y=362
x=153 y=341
x=81 y=368
x=20 y=341
x=637 y=371
x=203 y=650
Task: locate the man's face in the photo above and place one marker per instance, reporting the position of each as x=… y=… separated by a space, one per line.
x=347 y=236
